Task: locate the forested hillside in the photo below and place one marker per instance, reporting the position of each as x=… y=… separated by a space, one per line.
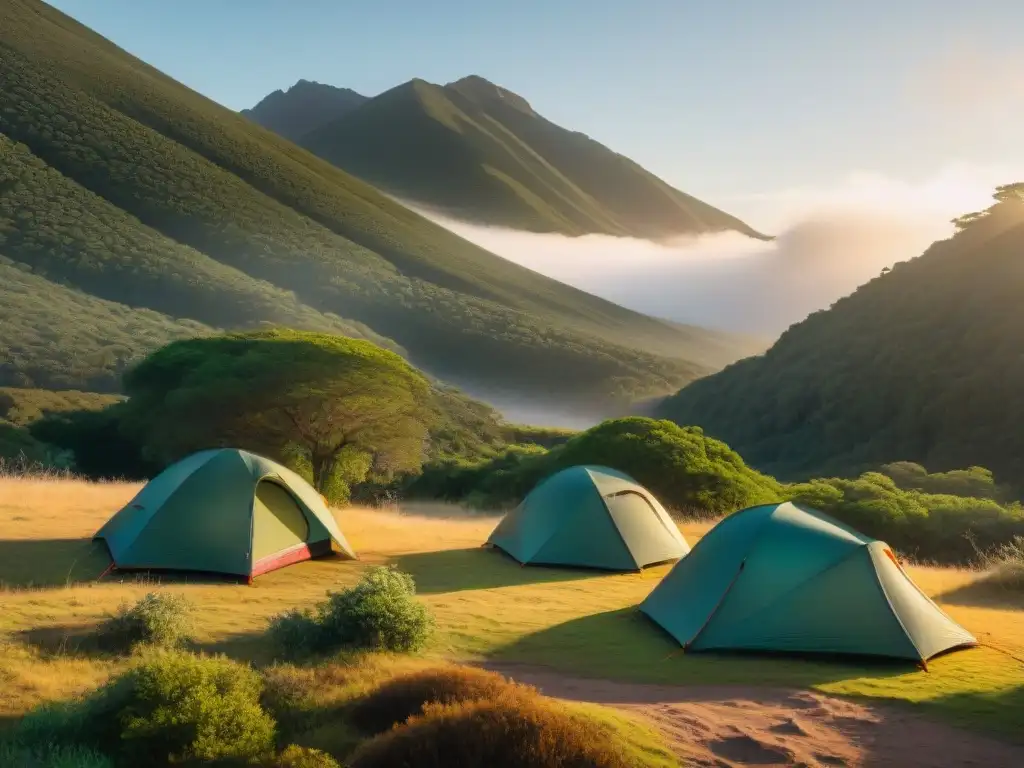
x=119 y=184
x=480 y=152
x=923 y=364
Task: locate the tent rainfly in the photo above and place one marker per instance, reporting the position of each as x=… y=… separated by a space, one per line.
x=223 y=511
x=590 y=517
x=781 y=577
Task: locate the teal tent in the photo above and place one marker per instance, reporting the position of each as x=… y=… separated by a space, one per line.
x=592 y=517
x=786 y=578
x=223 y=511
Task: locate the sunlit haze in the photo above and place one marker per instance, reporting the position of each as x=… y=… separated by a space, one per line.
x=828 y=241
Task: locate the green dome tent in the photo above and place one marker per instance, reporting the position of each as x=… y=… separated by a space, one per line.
x=592 y=517
x=785 y=578
x=223 y=511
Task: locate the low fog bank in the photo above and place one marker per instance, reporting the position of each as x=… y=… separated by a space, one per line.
x=828 y=242
x=534 y=410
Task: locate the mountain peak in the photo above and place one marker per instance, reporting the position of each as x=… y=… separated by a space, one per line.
x=481 y=90
x=304 y=106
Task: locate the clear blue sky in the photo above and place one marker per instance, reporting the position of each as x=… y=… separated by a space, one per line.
x=722 y=98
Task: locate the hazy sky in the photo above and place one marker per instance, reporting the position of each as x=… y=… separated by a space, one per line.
x=730 y=100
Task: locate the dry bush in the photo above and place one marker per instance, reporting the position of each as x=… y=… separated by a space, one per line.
x=402 y=697
x=1006 y=565
x=512 y=731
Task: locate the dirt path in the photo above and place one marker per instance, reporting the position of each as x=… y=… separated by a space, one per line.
x=728 y=727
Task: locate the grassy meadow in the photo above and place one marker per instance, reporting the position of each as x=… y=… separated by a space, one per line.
x=488 y=608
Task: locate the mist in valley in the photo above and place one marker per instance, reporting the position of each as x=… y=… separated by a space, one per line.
x=828 y=241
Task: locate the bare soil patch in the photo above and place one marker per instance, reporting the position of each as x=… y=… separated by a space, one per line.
x=732 y=726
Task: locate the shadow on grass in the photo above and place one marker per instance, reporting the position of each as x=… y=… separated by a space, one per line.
x=49 y=563
x=998 y=712
x=62 y=639
x=624 y=645
x=987 y=592
x=456 y=570
x=252 y=646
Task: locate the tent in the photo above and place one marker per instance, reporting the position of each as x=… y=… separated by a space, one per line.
x=223 y=511
x=781 y=577
x=592 y=517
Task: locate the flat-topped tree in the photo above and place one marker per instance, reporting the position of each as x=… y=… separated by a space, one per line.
x=344 y=405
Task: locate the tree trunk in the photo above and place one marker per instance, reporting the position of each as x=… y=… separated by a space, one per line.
x=323 y=466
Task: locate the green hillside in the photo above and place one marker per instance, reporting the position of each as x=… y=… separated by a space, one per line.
x=118 y=183
x=477 y=151
x=923 y=363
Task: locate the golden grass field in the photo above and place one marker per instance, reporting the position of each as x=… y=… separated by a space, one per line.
x=487 y=608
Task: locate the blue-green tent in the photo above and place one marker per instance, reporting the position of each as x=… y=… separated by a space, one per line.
x=223 y=511
x=781 y=577
x=591 y=517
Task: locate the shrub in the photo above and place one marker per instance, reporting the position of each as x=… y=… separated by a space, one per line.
x=973 y=482
x=493 y=482
x=302 y=757
x=512 y=731
x=402 y=697
x=13 y=756
x=932 y=527
x=379 y=613
x=296 y=633
x=168 y=707
x=159 y=619
x=193 y=708
x=683 y=467
x=688 y=471
x=76 y=723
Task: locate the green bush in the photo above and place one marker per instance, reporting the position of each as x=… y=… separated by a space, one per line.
x=296 y=633
x=930 y=527
x=499 y=481
x=512 y=731
x=685 y=469
x=973 y=482
x=170 y=707
x=159 y=619
x=381 y=613
x=400 y=698
x=301 y=757
x=14 y=756
x=71 y=724
x=688 y=471
x=95 y=439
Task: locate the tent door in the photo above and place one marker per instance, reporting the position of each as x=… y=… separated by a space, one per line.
x=278 y=522
x=641 y=528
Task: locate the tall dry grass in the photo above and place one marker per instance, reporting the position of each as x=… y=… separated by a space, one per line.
x=1005 y=566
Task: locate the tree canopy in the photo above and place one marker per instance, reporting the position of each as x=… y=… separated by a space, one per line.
x=341 y=405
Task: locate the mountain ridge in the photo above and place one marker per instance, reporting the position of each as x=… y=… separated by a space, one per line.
x=478 y=151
